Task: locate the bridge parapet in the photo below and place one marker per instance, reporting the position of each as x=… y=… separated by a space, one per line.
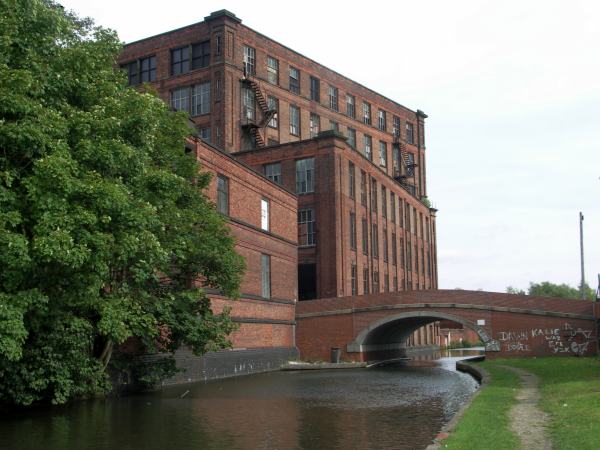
x=509 y=325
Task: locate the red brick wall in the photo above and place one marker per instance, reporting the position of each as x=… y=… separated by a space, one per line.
x=246 y=189
x=226 y=110
x=519 y=334
x=332 y=204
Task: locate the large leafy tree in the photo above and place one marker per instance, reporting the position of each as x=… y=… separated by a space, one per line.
x=103 y=224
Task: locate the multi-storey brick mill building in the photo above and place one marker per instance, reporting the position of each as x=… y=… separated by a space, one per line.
x=354 y=158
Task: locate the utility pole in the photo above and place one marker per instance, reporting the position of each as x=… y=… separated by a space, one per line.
x=581 y=288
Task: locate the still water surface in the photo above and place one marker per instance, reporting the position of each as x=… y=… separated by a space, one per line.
x=393 y=407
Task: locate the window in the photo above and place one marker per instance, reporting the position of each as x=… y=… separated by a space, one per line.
x=294 y=80
x=395 y=159
x=315 y=89
x=367 y=113
x=353 y=231
x=410 y=136
x=401 y=252
x=205 y=133
x=386 y=282
x=218 y=45
x=201 y=99
x=131 y=69
x=382 y=154
x=385 y=245
x=264 y=214
x=315 y=125
x=393 y=207
x=218 y=138
x=266 y=275
x=306 y=227
x=375 y=282
x=396 y=126
x=305 y=171
x=218 y=86
x=249 y=60
x=353 y=280
x=374 y=241
x=180 y=60
x=363 y=188
x=368 y=147
x=384 y=201
x=395 y=283
x=416 y=258
x=223 y=194
x=400 y=213
x=248 y=103
x=272 y=70
x=273 y=105
x=394 y=250
x=294 y=120
x=333 y=98
x=334 y=126
x=381 y=120
x=201 y=55
x=180 y=99
x=352 y=137
x=147 y=69
x=365 y=281
x=374 y=196
x=351 y=181
x=421 y=133
x=350 y=106
x=273 y=172
x=364 y=236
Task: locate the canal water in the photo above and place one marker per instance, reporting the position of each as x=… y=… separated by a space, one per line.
x=390 y=407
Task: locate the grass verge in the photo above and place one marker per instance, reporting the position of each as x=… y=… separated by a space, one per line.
x=570 y=389
x=486 y=425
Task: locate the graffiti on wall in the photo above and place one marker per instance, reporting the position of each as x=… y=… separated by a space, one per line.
x=565 y=339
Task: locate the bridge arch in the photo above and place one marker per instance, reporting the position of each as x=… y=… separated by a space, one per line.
x=390 y=333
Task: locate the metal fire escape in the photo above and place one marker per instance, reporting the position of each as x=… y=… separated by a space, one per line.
x=254 y=127
x=406 y=171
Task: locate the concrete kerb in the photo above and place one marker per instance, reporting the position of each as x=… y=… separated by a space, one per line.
x=480 y=375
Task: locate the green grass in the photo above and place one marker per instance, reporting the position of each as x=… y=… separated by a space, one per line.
x=570 y=389
x=486 y=425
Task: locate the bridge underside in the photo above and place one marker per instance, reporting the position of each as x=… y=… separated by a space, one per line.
x=377 y=327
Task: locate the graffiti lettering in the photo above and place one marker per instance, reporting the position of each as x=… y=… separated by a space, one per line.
x=559 y=340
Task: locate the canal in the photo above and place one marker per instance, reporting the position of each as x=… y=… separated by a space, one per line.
x=391 y=407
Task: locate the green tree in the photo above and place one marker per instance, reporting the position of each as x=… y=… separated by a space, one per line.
x=103 y=223
x=547 y=289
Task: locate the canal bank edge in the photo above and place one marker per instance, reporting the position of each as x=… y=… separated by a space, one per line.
x=483 y=377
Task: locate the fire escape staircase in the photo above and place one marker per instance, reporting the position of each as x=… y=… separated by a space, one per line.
x=402 y=176
x=267 y=114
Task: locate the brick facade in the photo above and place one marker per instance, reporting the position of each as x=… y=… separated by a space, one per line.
x=264 y=321
x=204 y=69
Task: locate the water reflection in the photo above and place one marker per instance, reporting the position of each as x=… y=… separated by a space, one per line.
x=398 y=407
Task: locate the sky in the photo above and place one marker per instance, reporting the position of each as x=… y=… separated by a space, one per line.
x=512 y=90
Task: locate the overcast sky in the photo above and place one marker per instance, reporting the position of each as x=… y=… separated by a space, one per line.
x=512 y=90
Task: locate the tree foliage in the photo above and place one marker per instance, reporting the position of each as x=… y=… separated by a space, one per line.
x=103 y=223
x=547 y=289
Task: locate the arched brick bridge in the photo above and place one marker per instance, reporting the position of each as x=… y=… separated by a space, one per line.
x=371 y=327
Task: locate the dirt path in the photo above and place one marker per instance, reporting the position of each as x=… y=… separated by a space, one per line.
x=528 y=421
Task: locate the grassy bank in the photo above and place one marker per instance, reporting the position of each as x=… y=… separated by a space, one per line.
x=570 y=389
x=485 y=425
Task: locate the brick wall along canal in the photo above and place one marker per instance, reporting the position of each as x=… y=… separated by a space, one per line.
x=388 y=407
